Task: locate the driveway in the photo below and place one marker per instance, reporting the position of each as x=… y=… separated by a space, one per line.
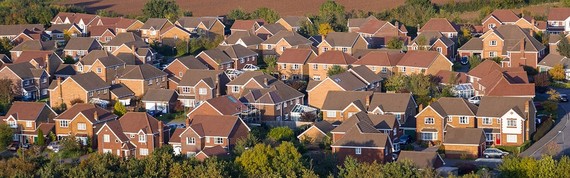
x=492 y=163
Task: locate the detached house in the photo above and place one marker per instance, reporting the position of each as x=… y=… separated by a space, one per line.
x=445 y=27
x=282 y=40
x=47 y=60
x=204 y=133
x=558 y=20
x=228 y=57
x=244 y=38
x=499 y=18
x=140 y=78
x=124 y=25
x=423 y=62
x=13 y=31
x=57 y=31
x=130 y=48
x=489 y=79
x=27 y=119
x=245 y=26
x=82 y=20
x=32 y=83
x=171 y=35
x=434 y=41
x=32 y=45
x=87 y=87
x=552 y=60
x=159 y=100
x=178 y=67
x=378 y=32
x=102 y=63
x=135 y=134
x=82 y=121
x=202 y=25
x=402 y=105
x=268 y=30
x=319 y=66
x=382 y=63
x=292 y=64
x=199 y=85
x=507 y=121
x=103 y=34
x=387 y=124
x=226 y=105
x=81 y=46
x=433 y=120
x=293 y=23
x=152 y=28
x=339 y=106
x=342 y=41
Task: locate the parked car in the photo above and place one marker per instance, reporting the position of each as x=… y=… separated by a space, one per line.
x=464 y=60
x=404 y=139
x=494 y=153
x=540 y=118
x=154 y=113
x=53 y=145
x=563 y=98
x=13 y=146
x=474 y=100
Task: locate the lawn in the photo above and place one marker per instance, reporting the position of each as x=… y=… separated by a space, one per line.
x=179 y=117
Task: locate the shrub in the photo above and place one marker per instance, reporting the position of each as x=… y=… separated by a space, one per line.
x=278 y=134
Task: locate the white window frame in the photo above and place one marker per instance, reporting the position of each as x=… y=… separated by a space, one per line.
x=433 y=135
x=492 y=54
x=185 y=89
x=512 y=138
x=487 y=121
x=315 y=66
x=489 y=137
x=202 y=91
x=143 y=151
x=331 y=113
x=13 y=124
x=384 y=70
x=190 y=141
x=511 y=123
x=235 y=89
x=493 y=43
x=142 y=138
x=463 y=120
x=81 y=126
x=358 y=151
x=429 y=120
x=295 y=66
x=106 y=138
x=63 y=123
x=28 y=123
x=439 y=49
x=218 y=140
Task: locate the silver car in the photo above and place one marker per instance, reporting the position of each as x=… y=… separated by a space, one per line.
x=494 y=153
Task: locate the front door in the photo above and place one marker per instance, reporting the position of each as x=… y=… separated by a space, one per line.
x=497 y=139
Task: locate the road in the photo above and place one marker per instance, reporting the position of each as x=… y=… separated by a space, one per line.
x=558 y=136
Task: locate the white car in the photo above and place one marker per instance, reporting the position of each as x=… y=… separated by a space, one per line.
x=474 y=100
x=54 y=146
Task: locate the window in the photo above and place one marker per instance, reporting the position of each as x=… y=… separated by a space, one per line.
x=80 y=68
x=26 y=82
x=269 y=47
x=429 y=120
x=489 y=137
x=81 y=52
x=190 y=141
x=350 y=114
x=325 y=66
x=403 y=69
x=358 y=151
x=28 y=123
x=150 y=82
x=384 y=70
x=295 y=66
x=325 y=49
x=44 y=91
x=190 y=154
x=511 y=138
x=153 y=32
x=64 y=123
x=511 y=123
x=463 y=120
x=399 y=116
x=344 y=50
x=107 y=151
x=492 y=43
x=439 y=49
x=492 y=54
x=44 y=79
x=235 y=89
x=142 y=138
x=283 y=66
x=283 y=48
x=331 y=113
x=315 y=66
x=81 y=126
x=487 y=121
x=241 y=61
x=108 y=38
x=12 y=124
x=202 y=91
x=207 y=139
x=317 y=78
x=106 y=138
x=143 y=151
x=218 y=140
x=450 y=119
x=185 y=89
x=429 y=136
x=180 y=74
x=491 y=26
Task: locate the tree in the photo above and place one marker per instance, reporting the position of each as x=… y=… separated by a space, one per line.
x=182 y=47
x=334 y=14
x=75 y=101
x=541 y=80
x=41 y=138
x=238 y=14
x=474 y=61
x=161 y=9
x=7 y=93
x=325 y=29
x=396 y=83
x=395 y=43
x=308 y=29
x=119 y=109
x=5 y=46
x=465 y=35
x=264 y=161
x=278 y=134
x=557 y=72
x=563 y=46
x=267 y=14
x=550 y=107
x=6 y=135
x=422 y=43
x=565 y=3
x=242 y=144
x=271 y=62
x=107 y=13
x=335 y=69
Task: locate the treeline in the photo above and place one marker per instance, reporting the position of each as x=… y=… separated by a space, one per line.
x=31 y=11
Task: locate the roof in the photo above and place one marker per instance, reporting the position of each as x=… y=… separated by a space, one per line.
x=277 y=92
x=81 y=43
x=445 y=77
x=221 y=126
x=334 y=57
x=227 y=105
x=348 y=81
x=141 y=72
x=88 y=110
x=295 y=21
x=35 y=45
x=37 y=56
x=378 y=122
x=99 y=30
x=133 y=122
x=6 y=30
x=558 y=14
x=504 y=15
x=380 y=58
x=293 y=38
x=237 y=51
x=446 y=106
x=474 y=44
x=128 y=38
x=357 y=22
x=390 y=102
x=190 y=62
x=217 y=55
x=159 y=95
x=214 y=151
x=193 y=76
x=493 y=106
x=25 y=70
x=155 y=23
x=341 y=39
x=246 y=37
x=439 y=24
x=258 y=76
x=175 y=137
x=419 y=58
x=339 y=100
x=125 y=22
x=295 y=56
x=421 y=159
x=553 y=59
x=60 y=28
x=121 y=90
x=244 y=24
x=513 y=36
x=432 y=37
x=324 y=126
x=362 y=134
x=66 y=69
x=484 y=68
x=365 y=74
x=372 y=26
x=193 y=22
x=467 y=136
x=27 y=110
x=105 y=57
x=274 y=28
x=507 y=83
x=89 y=81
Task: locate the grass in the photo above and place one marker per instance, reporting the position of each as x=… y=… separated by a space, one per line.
x=560 y=84
x=515 y=149
x=173 y=117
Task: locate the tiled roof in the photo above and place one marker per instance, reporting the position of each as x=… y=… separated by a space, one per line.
x=334 y=57
x=432 y=37
x=471 y=136
x=244 y=24
x=454 y=106
x=483 y=69
x=558 y=14
x=221 y=126
x=552 y=59
x=237 y=51
x=190 y=62
x=218 y=56
x=419 y=58
x=227 y=105
x=474 y=44
x=35 y=45
x=504 y=15
x=294 y=21
x=25 y=70
x=390 y=102
x=159 y=95
x=26 y=110
x=121 y=90
x=295 y=56
x=133 y=122
x=380 y=58
x=421 y=159
x=341 y=39
x=365 y=74
x=89 y=81
x=274 y=28
x=88 y=110
x=339 y=100
x=193 y=76
x=440 y=24
x=128 y=39
x=105 y=57
x=493 y=106
x=292 y=38
x=142 y=72
x=6 y=30
x=245 y=37
x=193 y=22
x=155 y=23
x=81 y=43
x=362 y=134
x=445 y=76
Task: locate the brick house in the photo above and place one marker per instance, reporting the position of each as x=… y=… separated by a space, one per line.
x=199 y=85
x=57 y=31
x=32 y=45
x=489 y=79
x=226 y=105
x=216 y=59
x=82 y=121
x=434 y=41
x=135 y=134
x=245 y=26
x=12 y=31
x=293 y=23
x=136 y=54
x=88 y=87
x=152 y=28
x=202 y=25
x=125 y=25
x=81 y=46
x=317 y=132
x=499 y=18
x=268 y=30
x=103 y=34
x=106 y=65
x=178 y=67
x=244 y=38
x=240 y=55
x=47 y=60
x=361 y=140
x=402 y=105
x=292 y=64
x=558 y=20
x=442 y=25
x=342 y=41
x=433 y=120
x=423 y=62
x=382 y=63
x=276 y=44
x=319 y=66
x=140 y=78
x=28 y=118
x=422 y=159
x=32 y=83
x=387 y=124
x=341 y=105
x=459 y=142
x=507 y=121
x=378 y=32
x=82 y=20
x=552 y=60
x=159 y=100
x=171 y=35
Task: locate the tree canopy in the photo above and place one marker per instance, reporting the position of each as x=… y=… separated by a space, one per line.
x=557 y=72
x=325 y=29
x=335 y=69
x=563 y=47
x=161 y=9
x=267 y=14
x=119 y=109
x=395 y=43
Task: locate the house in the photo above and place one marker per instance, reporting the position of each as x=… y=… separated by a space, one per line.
x=135 y=134
x=131 y=48
x=103 y=34
x=464 y=142
x=86 y=87
x=208 y=152
x=47 y=60
x=246 y=26
x=199 y=85
x=433 y=121
x=152 y=28
x=226 y=105
x=208 y=131
x=31 y=83
x=268 y=30
x=81 y=46
x=292 y=64
x=4 y=60
x=342 y=41
x=82 y=120
x=57 y=31
x=127 y=25
x=178 y=67
x=320 y=65
x=447 y=28
x=293 y=23
x=202 y=25
x=511 y=43
x=12 y=31
x=422 y=159
x=339 y=106
x=128 y=39
x=377 y=32
x=240 y=55
x=244 y=38
x=140 y=78
x=499 y=18
x=552 y=60
x=382 y=63
x=106 y=65
x=32 y=45
x=489 y=79
x=554 y=40
x=28 y=35
x=216 y=59
x=361 y=140
x=159 y=100
x=121 y=93
x=508 y=121
x=173 y=34
x=282 y=40
x=402 y=105
x=458 y=82
x=82 y=20
x=423 y=62
x=316 y=133
x=434 y=41
x=28 y=119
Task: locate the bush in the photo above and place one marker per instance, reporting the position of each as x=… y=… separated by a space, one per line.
x=543 y=129
x=279 y=134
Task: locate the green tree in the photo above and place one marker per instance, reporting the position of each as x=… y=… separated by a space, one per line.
x=238 y=14
x=308 y=29
x=396 y=83
x=557 y=72
x=563 y=47
x=267 y=14
x=422 y=43
x=182 y=47
x=5 y=46
x=334 y=14
x=119 y=109
x=271 y=63
x=41 y=138
x=264 y=161
x=279 y=134
x=107 y=13
x=335 y=69
x=565 y=3
x=325 y=29
x=6 y=134
x=161 y=9
x=70 y=148
x=395 y=43
x=243 y=144
x=465 y=35
x=7 y=93
x=474 y=61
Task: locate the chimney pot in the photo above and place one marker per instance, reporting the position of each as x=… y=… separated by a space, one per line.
x=96 y=116
x=265 y=81
x=160 y=133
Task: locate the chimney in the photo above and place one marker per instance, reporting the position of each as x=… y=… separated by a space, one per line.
x=96 y=116
x=265 y=81
x=47 y=67
x=397 y=24
x=418 y=26
x=160 y=134
x=421 y=107
x=60 y=89
x=526 y=106
x=522 y=45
